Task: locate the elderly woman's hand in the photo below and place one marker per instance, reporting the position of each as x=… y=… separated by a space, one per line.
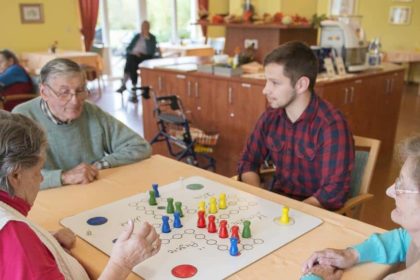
x=327 y=272
x=132 y=248
x=332 y=257
x=65 y=237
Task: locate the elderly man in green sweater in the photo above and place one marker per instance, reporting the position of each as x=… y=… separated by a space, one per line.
x=82 y=138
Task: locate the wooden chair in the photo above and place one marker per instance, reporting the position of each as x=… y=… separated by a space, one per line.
x=367 y=150
x=21 y=97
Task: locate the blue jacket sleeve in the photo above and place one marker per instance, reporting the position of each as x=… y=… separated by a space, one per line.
x=13 y=74
x=387 y=248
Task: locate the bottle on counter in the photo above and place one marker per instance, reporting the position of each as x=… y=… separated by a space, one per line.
x=235 y=60
x=374 y=51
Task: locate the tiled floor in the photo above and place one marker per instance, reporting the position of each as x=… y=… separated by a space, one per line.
x=377 y=211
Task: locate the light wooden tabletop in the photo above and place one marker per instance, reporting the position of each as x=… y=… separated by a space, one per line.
x=117 y=183
x=34 y=61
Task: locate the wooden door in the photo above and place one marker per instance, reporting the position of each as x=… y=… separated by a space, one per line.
x=339 y=95
x=238 y=107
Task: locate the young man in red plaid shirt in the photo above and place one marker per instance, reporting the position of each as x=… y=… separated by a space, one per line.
x=307 y=139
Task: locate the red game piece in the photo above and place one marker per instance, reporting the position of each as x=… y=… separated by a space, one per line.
x=201 y=223
x=235 y=233
x=212 y=224
x=223 y=231
x=184 y=271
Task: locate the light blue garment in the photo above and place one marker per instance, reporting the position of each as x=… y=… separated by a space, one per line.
x=12 y=75
x=386 y=248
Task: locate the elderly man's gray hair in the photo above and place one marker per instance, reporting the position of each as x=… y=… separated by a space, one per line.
x=21 y=143
x=60 y=66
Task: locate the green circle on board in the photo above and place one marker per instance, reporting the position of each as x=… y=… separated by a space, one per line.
x=195 y=187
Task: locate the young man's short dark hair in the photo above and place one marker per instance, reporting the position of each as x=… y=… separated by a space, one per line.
x=297 y=59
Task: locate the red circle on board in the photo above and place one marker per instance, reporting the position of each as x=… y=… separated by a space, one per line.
x=184 y=271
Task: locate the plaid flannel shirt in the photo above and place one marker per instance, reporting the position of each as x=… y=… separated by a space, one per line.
x=314 y=156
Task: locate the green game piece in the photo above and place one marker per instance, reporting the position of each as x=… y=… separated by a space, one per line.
x=246 y=232
x=152 y=198
x=170 y=207
x=195 y=187
x=178 y=206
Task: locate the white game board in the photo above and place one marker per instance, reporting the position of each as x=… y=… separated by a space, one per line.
x=189 y=244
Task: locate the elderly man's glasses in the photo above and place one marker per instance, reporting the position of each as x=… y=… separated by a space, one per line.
x=398 y=187
x=67 y=95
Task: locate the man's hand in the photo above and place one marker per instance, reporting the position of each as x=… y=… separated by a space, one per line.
x=251 y=178
x=65 y=237
x=81 y=174
x=313 y=201
x=332 y=257
x=327 y=272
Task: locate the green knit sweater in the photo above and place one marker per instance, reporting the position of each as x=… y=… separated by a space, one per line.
x=94 y=136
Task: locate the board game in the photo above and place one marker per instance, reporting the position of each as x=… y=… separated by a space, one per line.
x=190 y=250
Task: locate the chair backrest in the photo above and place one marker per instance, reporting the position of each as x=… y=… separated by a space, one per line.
x=367 y=150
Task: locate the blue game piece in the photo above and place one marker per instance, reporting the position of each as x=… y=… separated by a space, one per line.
x=177 y=220
x=155 y=188
x=97 y=221
x=234 y=251
x=165 y=224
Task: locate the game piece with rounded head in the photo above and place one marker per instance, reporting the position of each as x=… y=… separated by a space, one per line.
x=177 y=220
x=201 y=223
x=246 y=231
x=178 y=207
x=155 y=189
x=233 y=250
x=165 y=224
x=202 y=206
x=223 y=231
x=213 y=205
x=211 y=228
x=152 y=199
x=170 y=206
x=222 y=201
x=284 y=219
x=235 y=233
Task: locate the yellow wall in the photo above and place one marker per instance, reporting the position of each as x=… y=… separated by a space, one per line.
x=61 y=23
x=217 y=7
x=304 y=8
x=393 y=37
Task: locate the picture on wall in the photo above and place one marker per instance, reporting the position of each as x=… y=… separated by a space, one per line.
x=342 y=7
x=400 y=15
x=31 y=13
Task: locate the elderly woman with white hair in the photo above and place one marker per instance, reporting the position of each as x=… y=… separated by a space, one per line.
x=26 y=250
x=400 y=245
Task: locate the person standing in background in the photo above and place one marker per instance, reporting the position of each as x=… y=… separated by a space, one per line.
x=143 y=46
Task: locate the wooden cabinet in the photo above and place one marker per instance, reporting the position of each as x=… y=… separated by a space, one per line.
x=238 y=107
x=370 y=104
x=389 y=89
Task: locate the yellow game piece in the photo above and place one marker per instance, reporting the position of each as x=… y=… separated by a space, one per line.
x=284 y=219
x=202 y=206
x=222 y=201
x=213 y=206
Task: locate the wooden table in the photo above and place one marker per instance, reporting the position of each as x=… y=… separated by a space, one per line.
x=187 y=50
x=36 y=60
x=117 y=183
x=405 y=56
